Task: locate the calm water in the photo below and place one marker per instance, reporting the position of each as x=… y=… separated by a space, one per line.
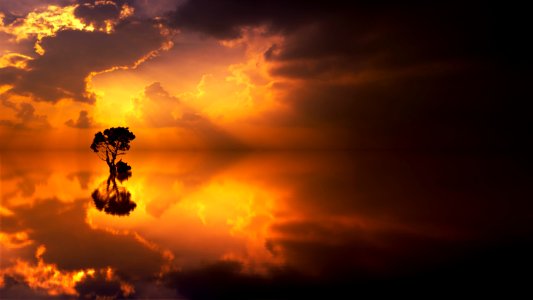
x=262 y=225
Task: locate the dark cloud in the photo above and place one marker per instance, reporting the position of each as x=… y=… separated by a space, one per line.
x=82 y=247
x=481 y=272
x=460 y=107
x=381 y=74
x=225 y=19
x=384 y=224
x=99 y=287
x=91 y=11
x=409 y=31
x=71 y=56
x=83 y=121
x=151 y=9
x=23 y=7
x=14 y=289
x=25 y=117
x=10 y=75
x=421 y=191
x=79 y=246
x=97 y=13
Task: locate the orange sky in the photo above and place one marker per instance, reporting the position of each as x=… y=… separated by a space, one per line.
x=262 y=75
x=223 y=84
x=202 y=75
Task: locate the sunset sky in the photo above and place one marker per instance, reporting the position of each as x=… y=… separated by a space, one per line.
x=206 y=74
x=400 y=131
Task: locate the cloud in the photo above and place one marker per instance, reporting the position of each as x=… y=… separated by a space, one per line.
x=9 y=75
x=50 y=277
x=225 y=19
x=158 y=109
x=103 y=14
x=74 y=43
x=25 y=117
x=71 y=57
x=76 y=251
x=83 y=121
x=413 y=31
x=151 y=9
x=23 y=7
x=356 y=75
x=387 y=75
x=448 y=108
x=15 y=60
x=84 y=178
x=374 y=221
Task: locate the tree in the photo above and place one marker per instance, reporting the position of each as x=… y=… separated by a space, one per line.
x=112 y=198
x=111 y=143
x=123 y=171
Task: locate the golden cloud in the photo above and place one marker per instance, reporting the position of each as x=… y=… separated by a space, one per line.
x=47 y=278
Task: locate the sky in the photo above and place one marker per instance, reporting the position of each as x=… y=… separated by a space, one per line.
x=206 y=74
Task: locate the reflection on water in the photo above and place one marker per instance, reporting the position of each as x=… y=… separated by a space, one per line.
x=112 y=198
x=259 y=225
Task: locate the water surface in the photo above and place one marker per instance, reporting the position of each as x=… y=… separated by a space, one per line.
x=263 y=225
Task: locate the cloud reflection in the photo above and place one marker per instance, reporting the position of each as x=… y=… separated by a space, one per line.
x=274 y=225
x=46 y=277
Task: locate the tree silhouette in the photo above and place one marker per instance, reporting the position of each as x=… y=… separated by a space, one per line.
x=109 y=196
x=112 y=198
x=123 y=171
x=111 y=143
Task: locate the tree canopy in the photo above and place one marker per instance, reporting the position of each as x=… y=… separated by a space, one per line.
x=111 y=143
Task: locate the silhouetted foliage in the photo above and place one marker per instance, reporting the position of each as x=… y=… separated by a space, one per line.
x=111 y=143
x=123 y=167
x=123 y=171
x=109 y=196
x=112 y=198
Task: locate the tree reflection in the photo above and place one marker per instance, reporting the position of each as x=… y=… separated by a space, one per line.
x=123 y=171
x=111 y=197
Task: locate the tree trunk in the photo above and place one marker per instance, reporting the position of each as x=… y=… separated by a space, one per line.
x=112 y=169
